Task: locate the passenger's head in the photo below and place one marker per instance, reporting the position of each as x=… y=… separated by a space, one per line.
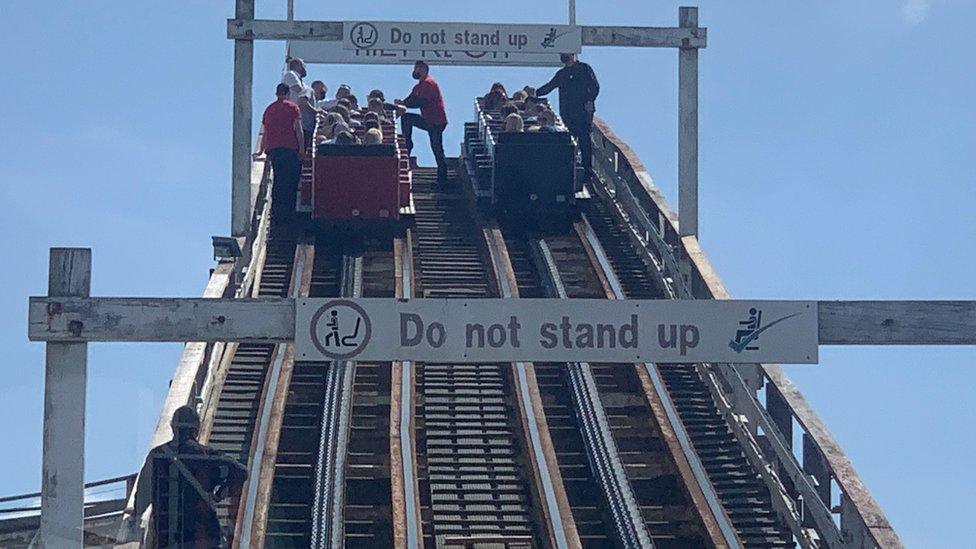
x=370 y=115
x=298 y=66
x=373 y=137
x=281 y=91
x=376 y=106
x=371 y=123
x=514 y=123
x=529 y=91
x=519 y=95
x=420 y=70
x=346 y=137
x=509 y=108
x=547 y=118
x=499 y=88
x=353 y=102
x=328 y=126
x=378 y=94
x=319 y=88
x=567 y=58
x=185 y=424
x=343 y=91
x=342 y=111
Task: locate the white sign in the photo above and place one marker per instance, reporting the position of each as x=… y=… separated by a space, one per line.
x=316 y=51
x=557 y=330
x=487 y=37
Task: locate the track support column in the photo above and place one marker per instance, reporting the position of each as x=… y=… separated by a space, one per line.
x=688 y=129
x=65 y=373
x=240 y=216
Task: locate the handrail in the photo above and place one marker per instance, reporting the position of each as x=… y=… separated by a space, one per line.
x=861 y=519
x=95 y=484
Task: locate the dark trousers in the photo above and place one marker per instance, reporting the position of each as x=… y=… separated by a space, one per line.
x=409 y=121
x=580 y=129
x=287 y=167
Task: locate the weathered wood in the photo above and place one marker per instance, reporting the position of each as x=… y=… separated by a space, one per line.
x=331 y=31
x=897 y=322
x=688 y=129
x=161 y=319
x=269 y=29
x=65 y=379
x=241 y=131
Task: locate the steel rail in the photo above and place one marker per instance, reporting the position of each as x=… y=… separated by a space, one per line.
x=525 y=396
x=406 y=416
x=327 y=510
x=684 y=441
x=602 y=448
x=264 y=423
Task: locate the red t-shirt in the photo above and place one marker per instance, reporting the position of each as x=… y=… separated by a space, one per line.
x=279 y=125
x=431 y=102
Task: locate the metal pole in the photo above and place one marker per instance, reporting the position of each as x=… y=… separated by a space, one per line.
x=65 y=372
x=240 y=216
x=572 y=13
x=688 y=130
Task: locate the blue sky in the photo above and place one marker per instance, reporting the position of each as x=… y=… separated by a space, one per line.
x=836 y=145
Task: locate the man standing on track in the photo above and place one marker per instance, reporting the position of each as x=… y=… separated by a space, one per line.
x=284 y=143
x=578 y=89
x=427 y=96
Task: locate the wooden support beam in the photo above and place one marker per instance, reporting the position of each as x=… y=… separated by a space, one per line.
x=241 y=130
x=80 y=319
x=331 y=31
x=65 y=379
x=688 y=129
x=161 y=319
x=897 y=322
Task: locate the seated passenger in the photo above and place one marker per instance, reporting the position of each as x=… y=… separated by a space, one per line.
x=546 y=122
x=519 y=96
x=376 y=106
x=508 y=108
x=376 y=94
x=496 y=97
x=514 y=123
x=328 y=126
x=371 y=124
x=341 y=110
x=529 y=91
x=346 y=137
x=343 y=91
x=353 y=102
x=373 y=137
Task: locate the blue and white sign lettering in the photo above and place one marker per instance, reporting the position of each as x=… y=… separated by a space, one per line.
x=557 y=330
x=469 y=37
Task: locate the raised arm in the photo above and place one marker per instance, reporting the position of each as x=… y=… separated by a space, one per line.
x=546 y=88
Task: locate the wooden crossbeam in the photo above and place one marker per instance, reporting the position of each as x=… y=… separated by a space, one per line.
x=80 y=319
x=593 y=35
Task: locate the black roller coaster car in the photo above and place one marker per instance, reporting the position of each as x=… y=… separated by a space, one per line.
x=524 y=177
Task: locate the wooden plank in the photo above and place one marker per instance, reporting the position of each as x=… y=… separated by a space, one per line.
x=65 y=379
x=897 y=322
x=645 y=37
x=269 y=29
x=331 y=31
x=688 y=129
x=161 y=319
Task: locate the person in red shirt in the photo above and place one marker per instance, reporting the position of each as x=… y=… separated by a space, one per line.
x=427 y=96
x=284 y=144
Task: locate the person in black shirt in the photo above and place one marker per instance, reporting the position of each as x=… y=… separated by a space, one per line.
x=183 y=480
x=578 y=89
